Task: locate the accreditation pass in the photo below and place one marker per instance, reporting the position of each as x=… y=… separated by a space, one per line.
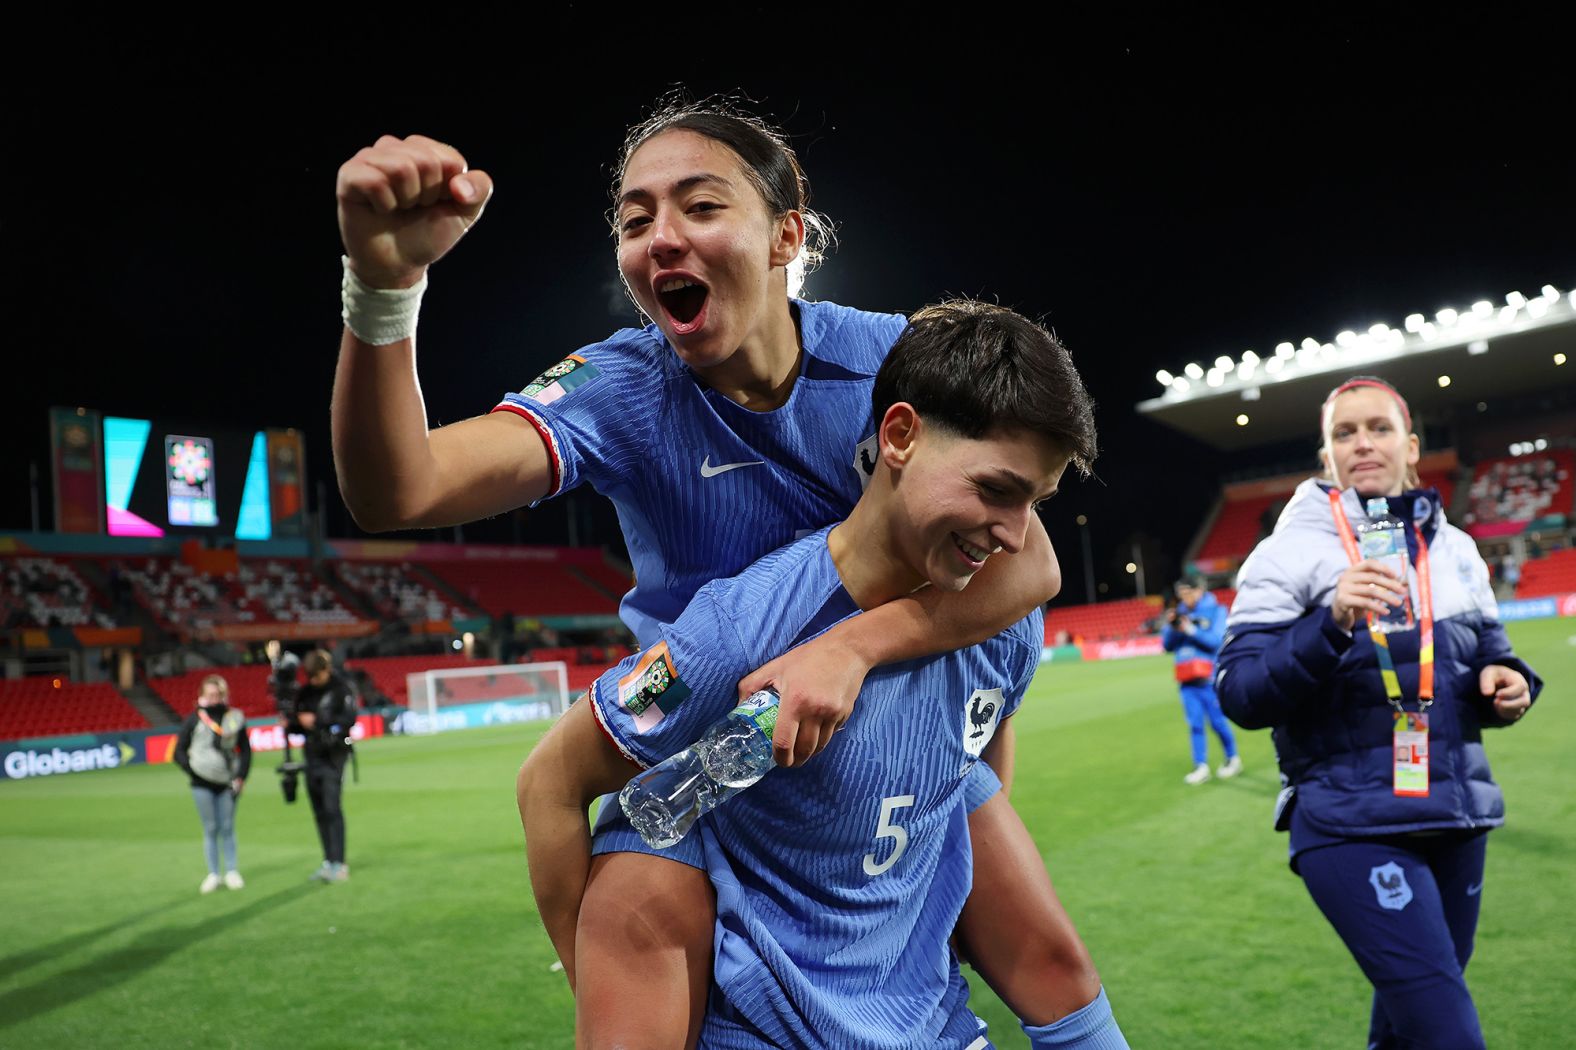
x=1411 y=754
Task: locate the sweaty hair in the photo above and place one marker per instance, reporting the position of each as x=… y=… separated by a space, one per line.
x=317 y=660
x=769 y=162
x=974 y=368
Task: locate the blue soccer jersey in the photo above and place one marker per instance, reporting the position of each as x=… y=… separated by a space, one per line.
x=838 y=882
x=702 y=485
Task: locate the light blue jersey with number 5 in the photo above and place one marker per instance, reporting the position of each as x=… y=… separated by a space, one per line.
x=838 y=882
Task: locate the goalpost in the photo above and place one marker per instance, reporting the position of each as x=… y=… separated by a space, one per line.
x=463 y=697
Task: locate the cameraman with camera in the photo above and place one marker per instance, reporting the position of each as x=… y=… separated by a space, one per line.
x=1194 y=630
x=323 y=711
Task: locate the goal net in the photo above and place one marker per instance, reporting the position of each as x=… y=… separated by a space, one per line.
x=465 y=697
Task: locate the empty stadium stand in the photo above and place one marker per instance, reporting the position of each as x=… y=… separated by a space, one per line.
x=1104 y=621
x=46 y=706
x=524 y=588
x=248 y=689
x=1553 y=574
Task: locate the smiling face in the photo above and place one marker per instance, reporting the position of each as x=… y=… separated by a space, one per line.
x=698 y=248
x=960 y=500
x=1366 y=446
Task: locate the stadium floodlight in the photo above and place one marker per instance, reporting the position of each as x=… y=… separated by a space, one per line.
x=1163 y=377
x=456 y=697
x=1559 y=359
x=1181 y=385
x=1477 y=346
x=1284 y=350
x=1507 y=314
x=1380 y=331
x=1444 y=381
x=1216 y=378
x=1482 y=309
x=1224 y=363
x=1194 y=370
x=1346 y=339
x=1550 y=292
x=1515 y=299
x=1250 y=393
x=1536 y=308
x=1242 y=419
x=1249 y=357
x=1429 y=332
x=1414 y=323
x=1447 y=317
x=1572 y=298
x=1539 y=445
x=1310 y=344
x=1274 y=365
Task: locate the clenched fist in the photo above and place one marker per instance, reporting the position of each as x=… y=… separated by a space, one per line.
x=403 y=203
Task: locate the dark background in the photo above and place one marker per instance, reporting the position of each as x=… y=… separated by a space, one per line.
x=1158 y=189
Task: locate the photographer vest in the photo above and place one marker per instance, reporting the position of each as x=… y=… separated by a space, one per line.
x=213 y=753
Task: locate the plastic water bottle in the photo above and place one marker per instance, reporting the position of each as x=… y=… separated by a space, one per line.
x=663 y=802
x=1382 y=538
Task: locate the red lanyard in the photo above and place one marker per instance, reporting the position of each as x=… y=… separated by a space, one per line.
x=208 y=721
x=1425 y=617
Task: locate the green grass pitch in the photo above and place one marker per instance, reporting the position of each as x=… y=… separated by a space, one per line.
x=1203 y=936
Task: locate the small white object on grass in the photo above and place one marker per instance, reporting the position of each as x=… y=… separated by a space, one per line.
x=557 y=967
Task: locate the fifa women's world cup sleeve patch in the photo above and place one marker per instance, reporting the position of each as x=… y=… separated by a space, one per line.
x=653 y=689
x=572 y=372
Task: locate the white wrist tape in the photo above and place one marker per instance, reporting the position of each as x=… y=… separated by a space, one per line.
x=379 y=316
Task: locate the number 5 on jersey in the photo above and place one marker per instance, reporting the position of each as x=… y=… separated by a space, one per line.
x=885 y=829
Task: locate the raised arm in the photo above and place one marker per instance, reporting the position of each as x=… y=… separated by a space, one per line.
x=403 y=204
x=818 y=681
x=573 y=764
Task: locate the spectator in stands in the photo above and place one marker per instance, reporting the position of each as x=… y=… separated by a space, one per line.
x=325 y=714
x=215 y=754
x=1388 y=795
x=711 y=217
x=1192 y=634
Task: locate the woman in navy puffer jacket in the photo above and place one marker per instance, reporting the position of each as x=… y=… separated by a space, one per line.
x=1388 y=813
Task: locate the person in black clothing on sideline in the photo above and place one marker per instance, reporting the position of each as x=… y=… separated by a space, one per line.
x=325 y=712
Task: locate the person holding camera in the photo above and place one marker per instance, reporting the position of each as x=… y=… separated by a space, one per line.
x=1193 y=632
x=324 y=714
x=214 y=752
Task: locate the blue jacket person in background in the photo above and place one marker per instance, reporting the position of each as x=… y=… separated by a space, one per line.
x=1193 y=633
x=1386 y=791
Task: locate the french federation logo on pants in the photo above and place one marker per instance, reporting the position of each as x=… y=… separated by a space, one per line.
x=1389 y=883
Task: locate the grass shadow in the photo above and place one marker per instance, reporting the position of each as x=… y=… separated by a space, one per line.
x=149 y=950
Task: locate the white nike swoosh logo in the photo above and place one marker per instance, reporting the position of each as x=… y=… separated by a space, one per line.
x=1473 y=891
x=709 y=471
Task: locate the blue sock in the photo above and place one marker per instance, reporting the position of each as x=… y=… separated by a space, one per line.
x=1091 y=1027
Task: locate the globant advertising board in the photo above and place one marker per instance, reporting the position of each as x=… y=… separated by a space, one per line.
x=23 y=763
x=87 y=751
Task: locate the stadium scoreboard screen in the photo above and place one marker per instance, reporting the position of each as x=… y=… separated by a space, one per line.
x=162 y=477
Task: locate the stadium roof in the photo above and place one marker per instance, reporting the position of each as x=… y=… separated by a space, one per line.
x=1475 y=354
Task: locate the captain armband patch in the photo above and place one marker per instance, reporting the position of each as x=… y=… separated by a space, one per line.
x=567 y=375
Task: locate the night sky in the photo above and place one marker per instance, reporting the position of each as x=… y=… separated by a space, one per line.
x=1157 y=191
